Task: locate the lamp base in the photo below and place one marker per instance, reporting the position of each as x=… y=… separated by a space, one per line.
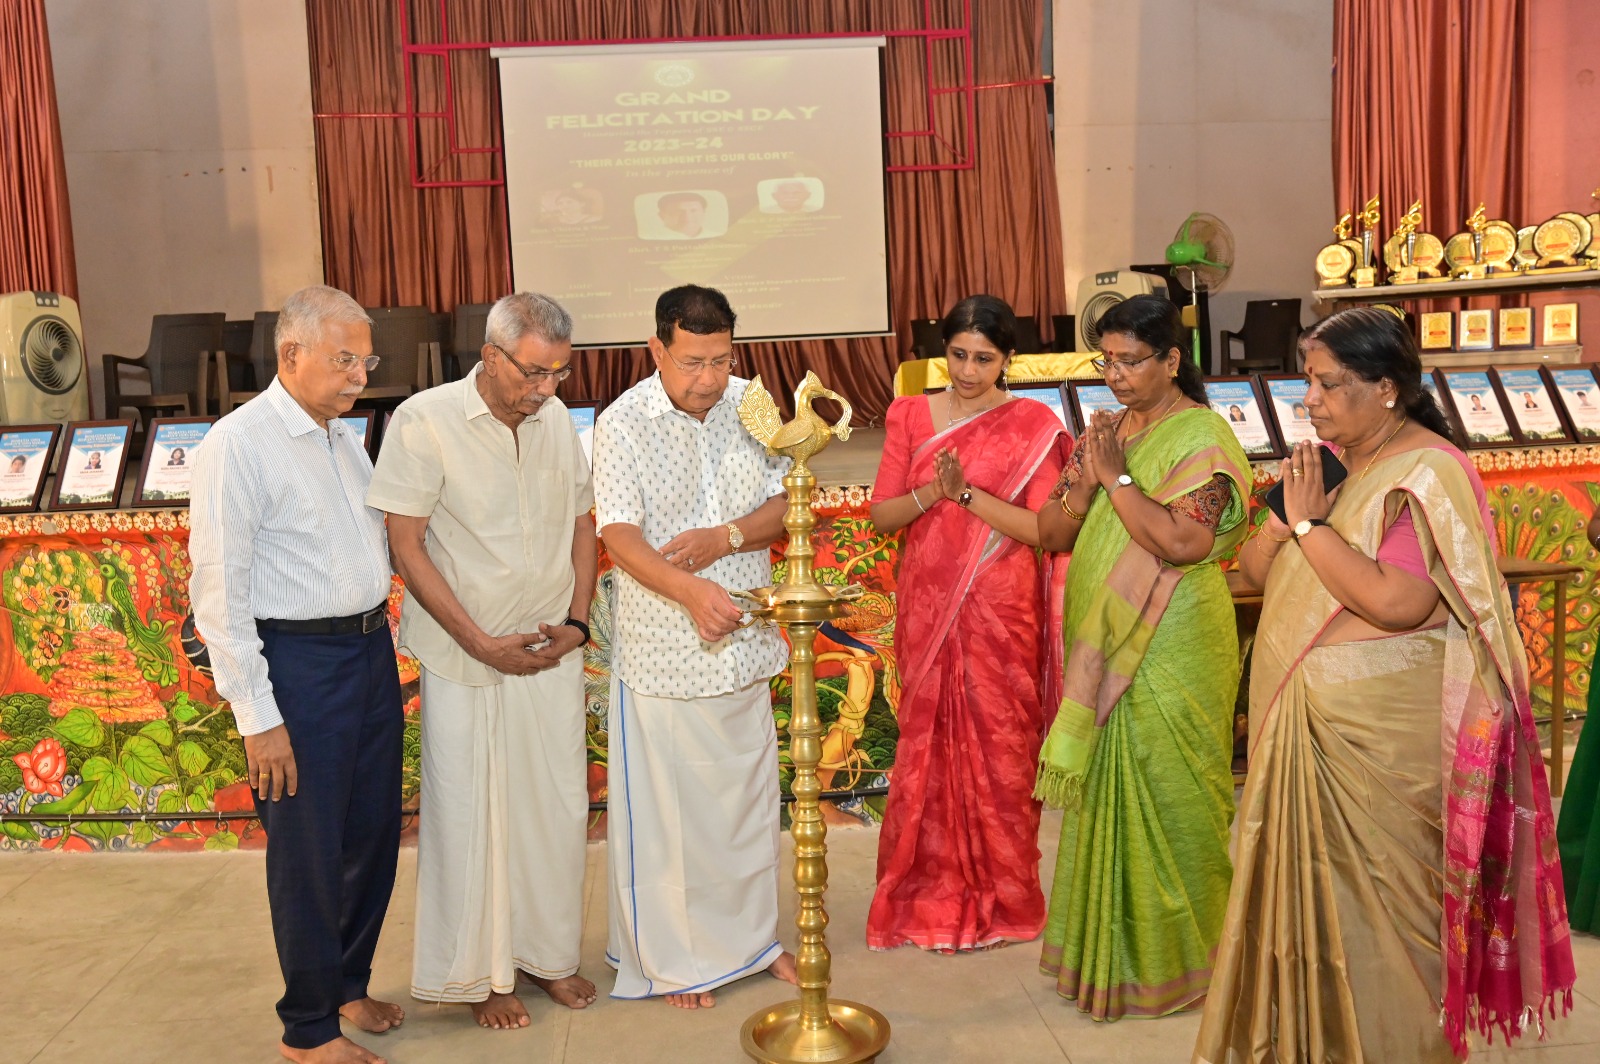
x=855 y=1035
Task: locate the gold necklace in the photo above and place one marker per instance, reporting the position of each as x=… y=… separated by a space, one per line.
x=950 y=402
x=1165 y=411
x=1379 y=452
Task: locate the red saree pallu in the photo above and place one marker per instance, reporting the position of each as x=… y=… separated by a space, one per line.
x=979 y=661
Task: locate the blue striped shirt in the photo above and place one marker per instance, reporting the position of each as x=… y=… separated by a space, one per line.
x=278 y=527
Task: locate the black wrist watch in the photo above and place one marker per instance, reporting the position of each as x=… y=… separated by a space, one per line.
x=580 y=626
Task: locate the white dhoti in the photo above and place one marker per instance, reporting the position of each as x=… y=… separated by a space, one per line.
x=501 y=849
x=693 y=840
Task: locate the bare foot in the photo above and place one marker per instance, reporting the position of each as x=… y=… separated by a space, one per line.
x=990 y=946
x=339 y=1051
x=573 y=991
x=503 y=1012
x=372 y=1015
x=783 y=968
x=692 y=1001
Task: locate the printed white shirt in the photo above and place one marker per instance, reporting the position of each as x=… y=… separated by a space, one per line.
x=278 y=528
x=666 y=472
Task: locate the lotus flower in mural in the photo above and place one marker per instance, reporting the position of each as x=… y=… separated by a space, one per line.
x=101 y=674
x=43 y=768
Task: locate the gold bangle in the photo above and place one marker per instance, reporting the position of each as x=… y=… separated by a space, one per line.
x=1069 y=511
x=1274 y=539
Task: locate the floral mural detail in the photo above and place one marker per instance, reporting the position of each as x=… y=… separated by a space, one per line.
x=43 y=767
x=105 y=709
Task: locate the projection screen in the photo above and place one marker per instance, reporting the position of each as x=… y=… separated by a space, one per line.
x=756 y=167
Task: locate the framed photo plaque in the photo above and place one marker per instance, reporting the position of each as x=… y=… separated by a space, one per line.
x=1287 y=395
x=1533 y=408
x=1575 y=388
x=25 y=454
x=92 y=463
x=1476 y=403
x=169 y=460
x=584 y=412
x=1088 y=397
x=1238 y=400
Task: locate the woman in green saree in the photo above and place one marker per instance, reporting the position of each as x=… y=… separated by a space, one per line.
x=1578 y=831
x=1139 y=754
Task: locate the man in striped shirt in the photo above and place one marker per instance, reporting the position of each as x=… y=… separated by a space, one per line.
x=290 y=587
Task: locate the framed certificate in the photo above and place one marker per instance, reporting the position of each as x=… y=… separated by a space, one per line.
x=1576 y=390
x=360 y=422
x=583 y=412
x=1533 y=407
x=169 y=460
x=25 y=454
x=1086 y=397
x=1286 y=393
x=92 y=463
x=1476 y=403
x=1238 y=400
x=1560 y=324
x=1436 y=331
x=1516 y=327
x=1052 y=395
x=1477 y=331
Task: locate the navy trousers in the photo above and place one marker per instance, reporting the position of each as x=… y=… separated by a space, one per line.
x=332 y=848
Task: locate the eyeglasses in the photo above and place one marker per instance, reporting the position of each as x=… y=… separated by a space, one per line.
x=1105 y=365
x=538 y=376
x=720 y=365
x=347 y=363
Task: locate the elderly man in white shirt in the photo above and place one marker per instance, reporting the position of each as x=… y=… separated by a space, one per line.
x=487 y=491
x=290 y=587
x=688 y=503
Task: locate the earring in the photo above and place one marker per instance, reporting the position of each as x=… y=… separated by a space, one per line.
x=1389 y=405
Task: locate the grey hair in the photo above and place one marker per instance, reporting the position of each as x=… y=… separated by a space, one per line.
x=523 y=314
x=308 y=312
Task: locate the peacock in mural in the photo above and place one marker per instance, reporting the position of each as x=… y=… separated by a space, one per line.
x=149 y=641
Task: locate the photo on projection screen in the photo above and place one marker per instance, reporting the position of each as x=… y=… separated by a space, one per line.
x=754 y=167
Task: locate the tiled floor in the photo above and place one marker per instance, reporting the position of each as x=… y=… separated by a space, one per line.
x=145 y=959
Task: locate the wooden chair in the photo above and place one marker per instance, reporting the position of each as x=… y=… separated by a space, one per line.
x=926 y=340
x=176 y=367
x=1066 y=327
x=241 y=378
x=1270 y=332
x=470 y=322
x=406 y=339
x=1027 y=338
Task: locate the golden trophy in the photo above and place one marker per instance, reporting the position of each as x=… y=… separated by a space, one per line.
x=813 y=1029
x=1409 y=255
x=1366 y=274
x=1336 y=260
x=1473 y=269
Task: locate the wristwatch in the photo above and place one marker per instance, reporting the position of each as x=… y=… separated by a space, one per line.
x=735 y=537
x=1124 y=481
x=1307 y=525
x=965 y=498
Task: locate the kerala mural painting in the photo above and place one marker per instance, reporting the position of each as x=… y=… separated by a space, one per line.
x=107 y=705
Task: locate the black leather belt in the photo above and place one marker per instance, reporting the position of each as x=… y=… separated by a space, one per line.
x=361 y=624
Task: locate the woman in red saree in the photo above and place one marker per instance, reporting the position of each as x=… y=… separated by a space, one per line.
x=964 y=472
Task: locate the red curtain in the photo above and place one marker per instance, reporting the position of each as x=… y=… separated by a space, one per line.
x=35 y=223
x=990 y=229
x=1430 y=102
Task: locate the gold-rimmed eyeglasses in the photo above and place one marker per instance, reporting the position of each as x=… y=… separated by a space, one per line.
x=346 y=363
x=536 y=375
x=722 y=364
x=1106 y=365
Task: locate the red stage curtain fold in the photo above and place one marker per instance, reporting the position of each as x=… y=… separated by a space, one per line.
x=1430 y=102
x=35 y=222
x=990 y=229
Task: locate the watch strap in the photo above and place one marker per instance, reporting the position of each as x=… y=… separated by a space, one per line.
x=580 y=626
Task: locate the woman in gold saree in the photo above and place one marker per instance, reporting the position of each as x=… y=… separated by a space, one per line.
x=1139 y=753
x=1396 y=884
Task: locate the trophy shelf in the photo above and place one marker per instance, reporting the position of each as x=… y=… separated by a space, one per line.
x=1554 y=355
x=1511 y=283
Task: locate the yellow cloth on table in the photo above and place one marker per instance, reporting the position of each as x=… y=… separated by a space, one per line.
x=918 y=375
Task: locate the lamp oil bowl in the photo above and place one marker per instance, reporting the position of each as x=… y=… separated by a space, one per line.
x=812 y=1030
